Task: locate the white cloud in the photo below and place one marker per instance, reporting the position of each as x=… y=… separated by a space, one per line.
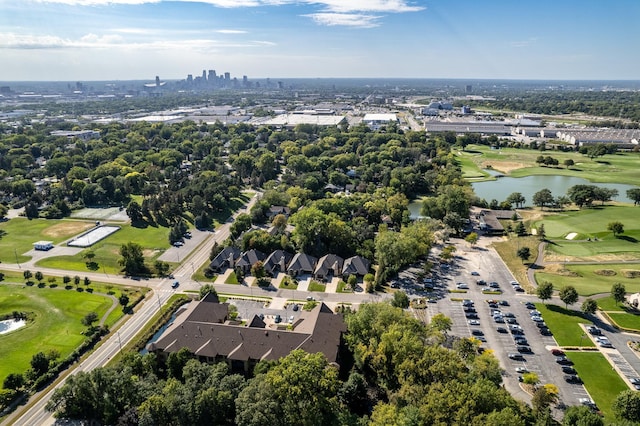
x=345 y=6
x=92 y=41
x=524 y=43
x=345 y=19
x=338 y=6
x=231 y=31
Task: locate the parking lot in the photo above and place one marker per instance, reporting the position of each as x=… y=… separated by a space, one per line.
x=500 y=319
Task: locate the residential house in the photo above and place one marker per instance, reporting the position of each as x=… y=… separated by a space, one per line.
x=225 y=259
x=328 y=266
x=248 y=259
x=277 y=262
x=302 y=264
x=355 y=265
x=276 y=210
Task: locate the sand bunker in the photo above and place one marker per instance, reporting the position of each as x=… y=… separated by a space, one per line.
x=571 y=236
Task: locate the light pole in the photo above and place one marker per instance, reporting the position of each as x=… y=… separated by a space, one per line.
x=119 y=341
x=16 y=253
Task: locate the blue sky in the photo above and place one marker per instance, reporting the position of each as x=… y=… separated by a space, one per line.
x=139 y=39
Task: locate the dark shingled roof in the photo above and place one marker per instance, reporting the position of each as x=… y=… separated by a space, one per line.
x=319 y=330
x=356 y=265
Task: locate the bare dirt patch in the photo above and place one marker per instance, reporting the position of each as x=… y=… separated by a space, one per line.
x=66 y=229
x=559 y=269
x=605 y=272
x=149 y=252
x=630 y=273
x=505 y=167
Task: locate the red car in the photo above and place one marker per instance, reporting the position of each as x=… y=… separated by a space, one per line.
x=557 y=352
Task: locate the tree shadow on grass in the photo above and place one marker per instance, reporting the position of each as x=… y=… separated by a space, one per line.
x=627 y=238
x=564 y=311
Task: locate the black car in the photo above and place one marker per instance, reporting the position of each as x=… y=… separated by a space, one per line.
x=471 y=315
x=517 y=332
x=502 y=330
x=572 y=378
x=477 y=332
x=568 y=370
x=524 y=349
x=469 y=309
x=545 y=331
x=563 y=360
x=541 y=325
x=520 y=341
x=530 y=305
x=516 y=357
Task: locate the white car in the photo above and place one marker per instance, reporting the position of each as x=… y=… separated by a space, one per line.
x=462 y=286
x=473 y=322
x=521 y=370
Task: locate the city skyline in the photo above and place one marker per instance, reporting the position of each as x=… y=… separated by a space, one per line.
x=68 y=40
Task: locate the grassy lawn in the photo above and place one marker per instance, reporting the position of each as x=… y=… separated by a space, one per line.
x=56 y=323
x=200 y=277
x=614 y=168
x=602 y=382
x=21 y=233
x=154 y=240
x=507 y=251
x=591 y=223
x=626 y=320
x=232 y=279
x=316 y=286
x=563 y=323
x=587 y=282
x=289 y=283
x=608 y=304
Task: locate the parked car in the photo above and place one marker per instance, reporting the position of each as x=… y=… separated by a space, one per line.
x=471 y=315
x=501 y=330
x=512 y=321
x=521 y=370
x=545 y=331
x=530 y=306
x=467 y=302
x=516 y=356
x=572 y=378
x=518 y=289
x=568 y=370
x=477 y=332
x=504 y=303
x=520 y=340
x=587 y=402
x=524 y=349
x=536 y=318
x=475 y=273
x=594 y=331
x=462 y=286
x=481 y=282
x=557 y=352
x=541 y=324
x=563 y=360
x=277 y=319
x=473 y=322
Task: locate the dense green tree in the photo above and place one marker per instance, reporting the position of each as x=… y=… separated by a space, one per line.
x=400 y=300
x=579 y=415
x=634 y=194
x=134 y=211
x=626 y=406
x=544 y=291
x=616 y=227
x=618 y=292
x=543 y=198
x=132 y=259
x=524 y=253
x=589 y=306
x=516 y=198
x=89 y=319
x=568 y=294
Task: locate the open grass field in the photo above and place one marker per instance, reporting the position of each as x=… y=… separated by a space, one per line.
x=592 y=223
x=602 y=382
x=564 y=323
x=585 y=279
x=56 y=326
x=613 y=168
x=21 y=233
x=154 y=240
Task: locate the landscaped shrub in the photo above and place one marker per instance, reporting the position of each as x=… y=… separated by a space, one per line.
x=605 y=272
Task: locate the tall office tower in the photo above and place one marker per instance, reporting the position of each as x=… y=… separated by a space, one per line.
x=245 y=81
x=468 y=88
x=204 y=75
x=212 y=76
x=227 y=76
x=157 y=80
x=189 y=78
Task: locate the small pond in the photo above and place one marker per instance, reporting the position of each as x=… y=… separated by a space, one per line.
x=10 y=325
x=502 y=187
